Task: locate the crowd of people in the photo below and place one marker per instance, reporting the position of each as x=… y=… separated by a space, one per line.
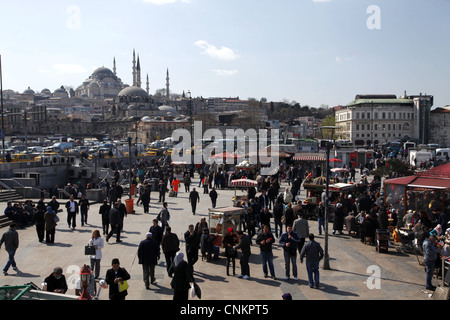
x=272 y=216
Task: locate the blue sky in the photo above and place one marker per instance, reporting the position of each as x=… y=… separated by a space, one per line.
x=310 y=51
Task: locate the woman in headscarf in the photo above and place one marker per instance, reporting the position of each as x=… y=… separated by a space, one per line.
x=229 y=242
x=182 y=277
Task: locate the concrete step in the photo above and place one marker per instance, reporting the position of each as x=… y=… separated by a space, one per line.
x=9 y=195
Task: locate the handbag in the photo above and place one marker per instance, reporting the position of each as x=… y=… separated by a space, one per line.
x=89 y=250
x=123 y=285
x=56 y=218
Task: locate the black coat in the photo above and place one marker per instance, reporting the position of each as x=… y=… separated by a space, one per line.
x=114 y=293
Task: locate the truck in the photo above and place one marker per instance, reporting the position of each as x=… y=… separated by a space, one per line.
x=418 y=156
x=62 y=146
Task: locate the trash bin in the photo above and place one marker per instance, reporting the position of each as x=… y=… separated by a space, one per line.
x=383 y=240
x=129 y=205
x=133 y=189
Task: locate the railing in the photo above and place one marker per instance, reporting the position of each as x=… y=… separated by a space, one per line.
x=15 y=182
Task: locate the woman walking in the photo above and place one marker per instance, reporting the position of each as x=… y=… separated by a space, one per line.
x=98 y=243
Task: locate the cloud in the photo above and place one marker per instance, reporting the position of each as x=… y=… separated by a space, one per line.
x=69 y=68
x=224 y=72
x=162 y=2
x=342 y=59
x=223 y=53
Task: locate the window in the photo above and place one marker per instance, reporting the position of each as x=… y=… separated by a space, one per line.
x=357 y=115
x=376 y=127
x=375 y=115
x=389 y=126
x=383 y=115
x=357 y=127
x=362 y=127
x=362 y=115
x=368 y=115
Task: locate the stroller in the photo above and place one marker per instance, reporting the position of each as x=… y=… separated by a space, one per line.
x=408 y=239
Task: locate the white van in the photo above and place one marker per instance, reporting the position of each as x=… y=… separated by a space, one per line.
x=442 y=154
x=35 y=149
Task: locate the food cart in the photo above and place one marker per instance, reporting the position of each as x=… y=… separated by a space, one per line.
x=179 y=168
x=220 y=219
x=241 y=183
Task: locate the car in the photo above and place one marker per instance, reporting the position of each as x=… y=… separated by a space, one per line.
x=19 y=157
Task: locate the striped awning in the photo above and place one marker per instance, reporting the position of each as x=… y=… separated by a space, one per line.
x=243 y=183
x=309 y=157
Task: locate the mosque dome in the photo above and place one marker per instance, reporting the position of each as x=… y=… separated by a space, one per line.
x=168 y=109
x=29 y=91
x=133 y=91
x=102 y=73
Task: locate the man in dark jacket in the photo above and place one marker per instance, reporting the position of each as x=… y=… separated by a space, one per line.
x=114 y=276
x=11 y=240
x=114 y=220
x=289 y=240
x=265 y=240
x=278 y=210
x=148 y=254
x=213 y=196
x=72 y=211
x=244 y=245
x=194 y=198
x=313 y=253
x=192 y=239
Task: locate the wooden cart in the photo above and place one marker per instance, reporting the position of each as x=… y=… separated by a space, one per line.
x=220 y=219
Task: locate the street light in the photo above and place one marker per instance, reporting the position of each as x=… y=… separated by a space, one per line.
x=85 y=277
x=129 y=139
x=329 y=144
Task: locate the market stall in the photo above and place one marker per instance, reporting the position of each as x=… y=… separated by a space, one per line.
x=241 y=183
x=428 y=191
x=220 y=219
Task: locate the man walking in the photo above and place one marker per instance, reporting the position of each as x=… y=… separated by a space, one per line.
x=148 y=254
x=114 y=220
x=213 y=195
x=244 y=245
x=301 y=227
x=72 y=211
x=313 y=252
x=11 y=240
x=194 y=198
x=430 y=255
x=84 y=208
x=289 y=240
x=265 y=240
x=192 y=240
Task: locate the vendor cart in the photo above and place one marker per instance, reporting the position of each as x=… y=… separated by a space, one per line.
x=221 y=219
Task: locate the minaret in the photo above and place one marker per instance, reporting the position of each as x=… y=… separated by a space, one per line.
x=114 y=66
x=138 y=73
x=134 y=68
x=148 y=85
x=167 y=86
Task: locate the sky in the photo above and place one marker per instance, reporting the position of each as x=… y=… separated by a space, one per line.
x=314 y=52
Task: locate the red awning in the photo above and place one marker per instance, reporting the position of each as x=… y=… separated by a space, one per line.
x=403 y=181
x=423 y=182
x=309 y=157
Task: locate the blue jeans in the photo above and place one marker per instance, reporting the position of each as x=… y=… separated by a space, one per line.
x=288 y=259
x=267 y=259
x=429 y=272
x=11 y=261
x=313 y=273
x=321 y=224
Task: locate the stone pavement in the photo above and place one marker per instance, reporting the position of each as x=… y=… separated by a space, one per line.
x=358 y=271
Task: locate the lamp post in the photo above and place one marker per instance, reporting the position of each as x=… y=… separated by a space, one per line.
x=129 y=139
x=329 y=144
x=85 y=276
